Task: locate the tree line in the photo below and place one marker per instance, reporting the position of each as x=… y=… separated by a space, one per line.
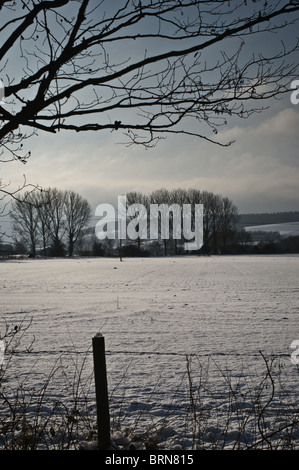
x=220 y=216
x=55 y=223
x=50 y=220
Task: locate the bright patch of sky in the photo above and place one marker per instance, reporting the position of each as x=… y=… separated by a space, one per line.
x=259 y=172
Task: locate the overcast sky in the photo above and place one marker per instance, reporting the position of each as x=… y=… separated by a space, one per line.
x=259 y=172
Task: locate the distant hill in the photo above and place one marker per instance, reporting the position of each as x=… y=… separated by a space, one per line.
x=247 y=220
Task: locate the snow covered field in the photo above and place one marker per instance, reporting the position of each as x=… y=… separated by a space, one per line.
x=222 y=312
x=291 y=229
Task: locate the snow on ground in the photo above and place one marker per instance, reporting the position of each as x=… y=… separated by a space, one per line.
x=291 y=229
x=222 y=311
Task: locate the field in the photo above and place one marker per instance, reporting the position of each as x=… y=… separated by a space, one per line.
x=188 y=340
x=291 y=229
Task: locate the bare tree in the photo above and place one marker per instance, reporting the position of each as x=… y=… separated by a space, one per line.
x=25 y=220
x=77 y=214
x=136 y=200
x=42 y=202
x=161 y=198
x=51 y=218
x=229 y=216
x=56 y=220
x=179 y=196
x=146 y=67
x=214 y=211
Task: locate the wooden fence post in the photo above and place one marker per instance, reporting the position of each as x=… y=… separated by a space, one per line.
x=103 y=416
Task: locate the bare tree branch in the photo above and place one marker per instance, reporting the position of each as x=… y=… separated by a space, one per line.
x=149 y=68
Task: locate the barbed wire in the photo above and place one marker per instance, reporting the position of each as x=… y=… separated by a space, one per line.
x=149 y=353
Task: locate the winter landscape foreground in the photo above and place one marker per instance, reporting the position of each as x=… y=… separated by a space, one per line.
x=198 y=350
